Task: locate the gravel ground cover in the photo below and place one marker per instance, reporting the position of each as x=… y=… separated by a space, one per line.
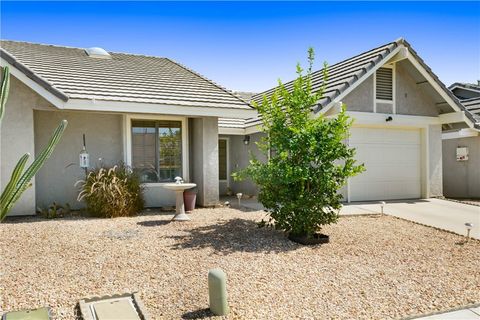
x=375 y=267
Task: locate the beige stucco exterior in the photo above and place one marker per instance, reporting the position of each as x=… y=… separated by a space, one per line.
x=409 y=100
x=56 y=179
x=17 y=138
x=461 y=178
x=30 y=120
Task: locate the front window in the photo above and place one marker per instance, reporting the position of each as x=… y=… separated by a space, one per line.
x=157 y=150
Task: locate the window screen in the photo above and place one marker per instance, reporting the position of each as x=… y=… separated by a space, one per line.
x=384 y=84
x=157 y=150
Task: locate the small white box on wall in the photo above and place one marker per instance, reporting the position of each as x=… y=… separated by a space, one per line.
x=462 y=154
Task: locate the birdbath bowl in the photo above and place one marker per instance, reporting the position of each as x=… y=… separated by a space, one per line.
x=180 y=206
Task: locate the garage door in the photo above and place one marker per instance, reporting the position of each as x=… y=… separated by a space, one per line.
x=392 y=162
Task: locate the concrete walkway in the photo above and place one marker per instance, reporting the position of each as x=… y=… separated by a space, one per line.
x=442 y=214
x=462 y=314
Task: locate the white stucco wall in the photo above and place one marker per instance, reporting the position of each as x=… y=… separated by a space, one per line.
x=17 y=138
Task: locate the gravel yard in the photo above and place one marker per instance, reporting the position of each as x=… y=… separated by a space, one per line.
x=375 y=267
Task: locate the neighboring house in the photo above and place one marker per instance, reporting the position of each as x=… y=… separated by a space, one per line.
x=151 y=113
x=461 y=148
x=400 y=109
x=465 y=91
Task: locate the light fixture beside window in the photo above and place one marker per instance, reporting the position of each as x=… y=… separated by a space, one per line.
x=246 y=140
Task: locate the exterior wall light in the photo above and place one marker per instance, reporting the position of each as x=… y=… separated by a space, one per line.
x=389 y=119
x=246 y=140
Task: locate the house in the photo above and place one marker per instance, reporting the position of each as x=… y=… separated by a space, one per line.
x=122 y=103
x=400 y=109
x=461 y=148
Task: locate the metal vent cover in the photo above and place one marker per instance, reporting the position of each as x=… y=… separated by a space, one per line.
x=384 y=84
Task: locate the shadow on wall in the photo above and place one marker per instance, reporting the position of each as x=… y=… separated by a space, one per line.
x=236 y=235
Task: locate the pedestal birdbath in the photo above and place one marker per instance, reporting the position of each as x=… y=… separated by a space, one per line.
x=179 y=187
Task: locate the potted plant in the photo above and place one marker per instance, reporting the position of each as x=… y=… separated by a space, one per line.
x=189 y=199
x=308 y=161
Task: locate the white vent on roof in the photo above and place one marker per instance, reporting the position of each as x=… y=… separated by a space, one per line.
x=96 y=52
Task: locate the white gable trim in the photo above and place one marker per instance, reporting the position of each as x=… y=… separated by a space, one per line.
x=437 y=88
x=360 y=81
x=152 y=108
x=463 y=133
x=44 y=93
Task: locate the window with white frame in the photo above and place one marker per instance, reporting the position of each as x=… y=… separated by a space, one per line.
x=384 y=84
x=157 y=149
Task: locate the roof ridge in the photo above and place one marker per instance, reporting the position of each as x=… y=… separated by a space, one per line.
x=398 y=41
x=70 y=47
x=209 y=81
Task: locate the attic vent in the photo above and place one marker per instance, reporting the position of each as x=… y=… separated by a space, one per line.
x=384 y=84
x=96 y=52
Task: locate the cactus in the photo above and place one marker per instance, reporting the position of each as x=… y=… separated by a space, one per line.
x=21 y=179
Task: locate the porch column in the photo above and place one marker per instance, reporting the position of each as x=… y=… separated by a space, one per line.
x=204 y=139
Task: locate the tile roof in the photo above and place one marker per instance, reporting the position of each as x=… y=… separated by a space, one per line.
x=465 y=85
x=69 y=73
x=473 y=106
x=344 y=74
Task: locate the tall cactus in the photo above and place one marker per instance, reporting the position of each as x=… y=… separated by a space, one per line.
x=21 y=179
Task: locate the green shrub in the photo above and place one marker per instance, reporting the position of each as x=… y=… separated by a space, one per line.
x=112 y=192
x=54 y=211
x=308 y=161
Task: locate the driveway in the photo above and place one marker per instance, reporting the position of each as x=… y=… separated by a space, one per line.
x=438 y=213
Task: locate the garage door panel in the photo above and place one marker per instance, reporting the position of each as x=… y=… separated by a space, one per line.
x=392 y=161
x=373 y=136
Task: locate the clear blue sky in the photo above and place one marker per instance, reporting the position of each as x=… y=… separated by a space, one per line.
x=249 y=45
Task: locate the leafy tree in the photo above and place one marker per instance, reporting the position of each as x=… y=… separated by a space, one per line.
x=308 y=161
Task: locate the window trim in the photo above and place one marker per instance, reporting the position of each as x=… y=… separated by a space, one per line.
x=127 y=141
x=227 y=139
x=394 y=83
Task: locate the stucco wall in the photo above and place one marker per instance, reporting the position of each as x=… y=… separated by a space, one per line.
x=435 y=160
x=205 y=156
x=461 y=178
x=16 y=137
x=239 y=159
x=55 y=181
x=361 y=98
x=410 y=99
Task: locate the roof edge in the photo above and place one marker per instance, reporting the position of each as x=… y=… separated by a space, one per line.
x=209 y=81
x=10 y=59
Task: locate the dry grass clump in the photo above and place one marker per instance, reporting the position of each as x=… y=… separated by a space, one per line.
x=112 y=192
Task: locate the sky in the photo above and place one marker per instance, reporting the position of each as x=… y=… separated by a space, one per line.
x=248 y=46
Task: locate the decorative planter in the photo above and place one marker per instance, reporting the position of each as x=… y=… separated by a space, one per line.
x=189 y=198
x=318 y=238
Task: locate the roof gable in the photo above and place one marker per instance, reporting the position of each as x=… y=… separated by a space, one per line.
x=346 y=75
x=69 y=73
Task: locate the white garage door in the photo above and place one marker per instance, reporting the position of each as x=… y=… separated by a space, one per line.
x=392 y=162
